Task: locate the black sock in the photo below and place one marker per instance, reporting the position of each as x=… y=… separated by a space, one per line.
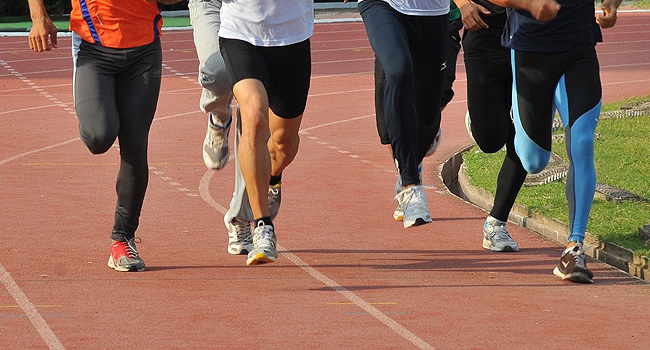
x=275 y=180
x=266 y=220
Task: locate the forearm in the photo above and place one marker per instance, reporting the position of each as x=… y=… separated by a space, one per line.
x=542 y=10
x=37 y=10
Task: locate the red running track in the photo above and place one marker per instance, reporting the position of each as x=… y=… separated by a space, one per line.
x=348 y=276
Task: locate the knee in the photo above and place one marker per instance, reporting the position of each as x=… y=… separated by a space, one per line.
x=97 y=142
x=534 y=162
x=398 y=70
x=488 y=144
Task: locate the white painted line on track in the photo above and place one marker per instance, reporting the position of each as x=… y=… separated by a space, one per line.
x=30 y=310
x=204 y=189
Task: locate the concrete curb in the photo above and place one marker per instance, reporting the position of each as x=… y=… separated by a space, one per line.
x=457 y=182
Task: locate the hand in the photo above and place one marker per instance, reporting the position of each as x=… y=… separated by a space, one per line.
x=608 y=18
x=543 y=10
x=42 y=36
x=470 y=15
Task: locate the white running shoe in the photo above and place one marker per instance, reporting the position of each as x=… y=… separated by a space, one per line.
x=264 y=245
x=215 y=146
x=398 y=214
x=413 y=202
x=240 y=238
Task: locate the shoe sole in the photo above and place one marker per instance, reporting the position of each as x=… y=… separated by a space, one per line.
x=260 y=258
x=417 y=222
x=487 y=244
x=576 y=277
x=398 y=215
x=211 y=164
x=119 y=268
x=234 y=250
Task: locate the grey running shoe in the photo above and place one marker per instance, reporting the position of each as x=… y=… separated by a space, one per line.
x=275 y=197
x=240 y=238
x=435 y=144
x=124 y=256
x=264 y=242
x=573 y=266
x=413 y=202
x=398 y=214
x=496 y=237
x=215 y=146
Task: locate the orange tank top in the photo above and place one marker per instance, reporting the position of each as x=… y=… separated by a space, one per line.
x=116 y=23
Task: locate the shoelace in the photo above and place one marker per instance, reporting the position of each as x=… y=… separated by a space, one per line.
x=500 y=232
x=131 y=251
x=264 y=237
x=410 y=197
x=579 y=256
x=243 y=230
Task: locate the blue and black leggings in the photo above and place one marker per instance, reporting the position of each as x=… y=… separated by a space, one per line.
x=568 y=82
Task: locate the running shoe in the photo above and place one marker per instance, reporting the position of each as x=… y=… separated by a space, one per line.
x=124 y=256
x=215 y=146
x=573 y=266
x=435 y=144
x=275 y=197
x=413 y=202
x=496 y=237
x=468 y=126
x=240 y=238
x=264 y=242
x=398 y=214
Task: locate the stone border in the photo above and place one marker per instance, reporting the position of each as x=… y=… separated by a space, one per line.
x=457 y=182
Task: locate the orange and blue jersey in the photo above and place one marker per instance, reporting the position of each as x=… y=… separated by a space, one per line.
x=117 y=24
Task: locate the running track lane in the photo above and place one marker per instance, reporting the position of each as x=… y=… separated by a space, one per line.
x=348 y=276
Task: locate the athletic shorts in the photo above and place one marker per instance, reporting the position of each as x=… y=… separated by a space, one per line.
x=285 y=72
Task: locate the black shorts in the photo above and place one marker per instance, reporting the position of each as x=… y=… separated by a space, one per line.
x=285 y=72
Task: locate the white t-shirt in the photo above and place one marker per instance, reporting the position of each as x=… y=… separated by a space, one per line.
x=267 y=22
x=419 y=7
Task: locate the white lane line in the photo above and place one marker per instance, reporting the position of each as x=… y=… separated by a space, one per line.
x=204 y=190
x=30 y=310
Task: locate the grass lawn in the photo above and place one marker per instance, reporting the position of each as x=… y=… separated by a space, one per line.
x=621 y=161
x=23 y=24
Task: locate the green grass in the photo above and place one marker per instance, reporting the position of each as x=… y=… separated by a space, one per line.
x=23 y=23
x=640 y=4
x=621 y=161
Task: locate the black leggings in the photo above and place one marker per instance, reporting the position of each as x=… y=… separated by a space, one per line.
x=116 y=93
x=489 y=91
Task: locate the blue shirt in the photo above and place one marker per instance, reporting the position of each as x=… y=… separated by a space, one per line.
x=575 y=25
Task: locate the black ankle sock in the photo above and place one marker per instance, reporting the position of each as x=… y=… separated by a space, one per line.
x=266 y=220
x=275 y=180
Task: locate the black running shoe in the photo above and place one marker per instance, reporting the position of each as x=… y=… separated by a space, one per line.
x=573 y=266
